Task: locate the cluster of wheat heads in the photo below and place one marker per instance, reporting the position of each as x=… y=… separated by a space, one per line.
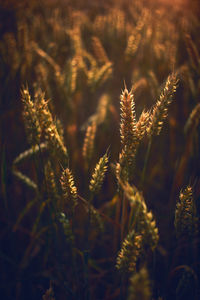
x=59 y=199
x=92 y=189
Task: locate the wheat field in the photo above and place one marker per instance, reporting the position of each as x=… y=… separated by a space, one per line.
x=99 y=150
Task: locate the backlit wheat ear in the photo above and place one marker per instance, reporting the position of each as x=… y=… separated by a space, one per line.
x=139 y=287
x=132 y=44
x=54 y=140
x=99 y=174
x=142 y=125
x=129 y=253
x=60 y=128
x=88 y=145
x=185 y=215
x=102 y=108
x=160 y=111
x=99 y=51
x=69 y=191
x=128 y=135
x=145 y=223
x=128 y=119
x=135 y=37
x=30 y=116
x=147 y=227
x=126 y=163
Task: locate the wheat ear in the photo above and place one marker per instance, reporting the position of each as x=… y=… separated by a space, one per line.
x=141 y=126
x=99 y=174
x=127 y=134
x=69 y=191
x=160 y=111
x=129 y=253
x=99 y=51
x=144 y=220
x=185 y=214
x=32 y=126
x=88 y=145
x=55 y=141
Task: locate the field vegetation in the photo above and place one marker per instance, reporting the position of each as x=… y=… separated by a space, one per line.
x=99 y=150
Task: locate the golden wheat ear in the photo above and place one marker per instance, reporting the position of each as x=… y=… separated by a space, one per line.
x=160 y=110
x=128 y=119
x=127 y=134
x=129 y=253
x=143 y=220
x=30 y=116
x=99 y=50
x=55 y=142
x=186 y=221
x=69 y=191
x=142 y=125
x=99 y=174
x=88 y=145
